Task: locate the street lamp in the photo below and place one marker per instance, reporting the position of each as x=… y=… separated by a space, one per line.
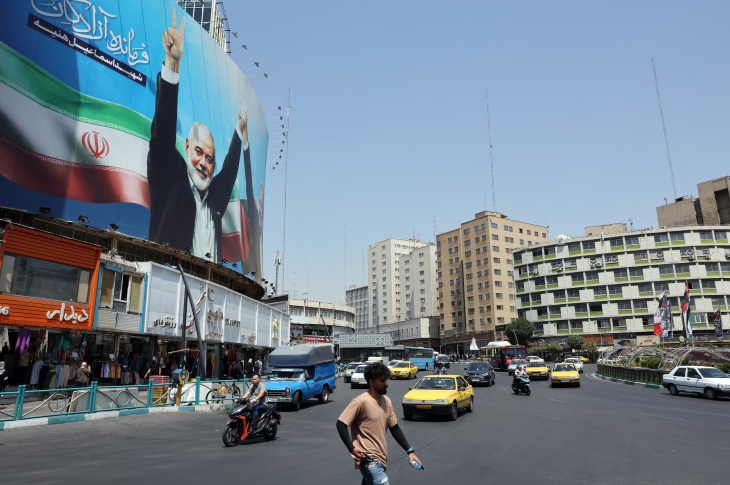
x=242 y=46
x=266 y=75
x=249 y=64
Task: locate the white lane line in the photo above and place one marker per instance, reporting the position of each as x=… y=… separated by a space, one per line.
x=637 y=398
x=543 y=416
x=504 y=389
x=557 y=400
x=696 y=443
x=665 y=417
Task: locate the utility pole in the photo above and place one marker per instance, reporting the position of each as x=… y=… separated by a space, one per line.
x=491 y=159
x=664 y=128
x=277 y=263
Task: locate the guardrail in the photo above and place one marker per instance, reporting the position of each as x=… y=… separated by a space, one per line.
x=95 y=398
x=636 y=374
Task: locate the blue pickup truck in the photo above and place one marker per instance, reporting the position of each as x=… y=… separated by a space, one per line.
x=301 y=372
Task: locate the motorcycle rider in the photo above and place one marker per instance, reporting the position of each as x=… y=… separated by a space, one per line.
x=258 y=403
x=440 y=368
x=519 y=374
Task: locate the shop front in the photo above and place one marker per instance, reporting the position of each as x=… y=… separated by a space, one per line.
x=231 y=325
x=47 y=306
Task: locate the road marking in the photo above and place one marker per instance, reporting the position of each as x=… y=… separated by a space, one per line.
x=557 y=400
x=696 y=443
x=665 y=417
x=637 y=398
x=543 y=416
x=504 y=389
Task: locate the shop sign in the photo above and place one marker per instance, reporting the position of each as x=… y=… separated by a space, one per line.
x=72 y=317
x=232 y=323
x=312 y=339
x=165 y=322
x=4 y=310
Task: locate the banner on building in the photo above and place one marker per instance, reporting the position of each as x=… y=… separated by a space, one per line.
x=663 y=316
x=129 y=113
x=717 y=318
x=687 y=311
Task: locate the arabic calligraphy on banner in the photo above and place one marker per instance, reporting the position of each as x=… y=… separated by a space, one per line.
x=72 y=317
x=92 y=23
x=87 y=49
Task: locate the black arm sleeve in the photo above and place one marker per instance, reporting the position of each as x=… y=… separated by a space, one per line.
x=344 y=435
x=400 y=438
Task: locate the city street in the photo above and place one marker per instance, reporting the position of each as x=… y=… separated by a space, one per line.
x=599 y=433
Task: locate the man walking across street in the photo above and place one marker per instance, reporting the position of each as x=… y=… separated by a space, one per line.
x=370 y=415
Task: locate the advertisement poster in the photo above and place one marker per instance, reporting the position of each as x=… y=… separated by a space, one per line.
x=129 y=113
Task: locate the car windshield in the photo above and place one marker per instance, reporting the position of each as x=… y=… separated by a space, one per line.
x=353 y=366
x=392 y=363
x=288 y=375
x=402 y=364
x=436 y=383
x=519 y=361
x=476 y=366
x=563 y=367
x=535 y=364
x=360 y=369
x=715 y=373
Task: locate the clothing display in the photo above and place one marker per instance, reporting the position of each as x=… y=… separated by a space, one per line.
x=23 y=342
x=43 y=342
x=65 y=342
x=4 y=338
x=35 y=373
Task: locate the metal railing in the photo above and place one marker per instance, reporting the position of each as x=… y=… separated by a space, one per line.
x=48 y=403
x=636 y=374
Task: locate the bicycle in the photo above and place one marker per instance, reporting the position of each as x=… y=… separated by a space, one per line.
x=223 y=391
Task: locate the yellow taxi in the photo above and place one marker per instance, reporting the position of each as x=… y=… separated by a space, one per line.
x=564 y=373
x=403 y=369
x=537 y=369
x=583 y=359
x=443 y=395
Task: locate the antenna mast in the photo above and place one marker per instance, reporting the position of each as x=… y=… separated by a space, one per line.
x=664 y=128
x=491 y=159
x=286 y=178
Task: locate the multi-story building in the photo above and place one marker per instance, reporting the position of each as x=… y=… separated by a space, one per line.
x=357 y=298
x=417 y=332
x=211 y=16
x=711 y=208
x=418 y=283
x=309 y=317
x=386 y=278
x=606 y=287
x=475 y=281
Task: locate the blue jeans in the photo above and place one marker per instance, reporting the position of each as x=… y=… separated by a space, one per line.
x=373 y=473
x=255 y=413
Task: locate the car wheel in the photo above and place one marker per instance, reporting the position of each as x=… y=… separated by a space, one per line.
x=325 y=396
x=577 y=384
x=347 y=379
x=296 y=401
x=470 y=408
x=673 y=390
x=710 y=393
x=353 y=386
x=489 y=382
x=453 y=414
x=407 y=416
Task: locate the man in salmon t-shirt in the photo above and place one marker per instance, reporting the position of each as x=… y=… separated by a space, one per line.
x=370 y=415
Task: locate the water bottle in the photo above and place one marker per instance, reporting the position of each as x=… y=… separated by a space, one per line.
x=415 y=465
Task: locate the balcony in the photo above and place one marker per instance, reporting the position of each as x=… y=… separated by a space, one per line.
x=561 y=300
x=596 y=314
x=581 y=314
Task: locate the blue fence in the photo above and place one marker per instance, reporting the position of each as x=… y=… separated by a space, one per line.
x=42 y=403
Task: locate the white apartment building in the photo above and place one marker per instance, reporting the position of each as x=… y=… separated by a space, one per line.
x=385 y=279
x=357 y=298
x=418 y=283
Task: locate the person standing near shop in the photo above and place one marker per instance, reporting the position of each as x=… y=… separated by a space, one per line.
x=82 y=376
x=154 y=368
x=3 y=376
x=370 y=415
x=23 y=367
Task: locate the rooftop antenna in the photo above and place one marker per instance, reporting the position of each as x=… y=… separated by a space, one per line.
x=664 y=128
x=631 y=223
x=345 y=259
x=491 y=159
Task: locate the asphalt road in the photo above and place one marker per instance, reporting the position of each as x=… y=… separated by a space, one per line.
x=600 y=433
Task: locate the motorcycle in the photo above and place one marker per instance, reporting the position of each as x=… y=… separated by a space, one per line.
x=522 y=386
x=237 y=428
x=439 y=369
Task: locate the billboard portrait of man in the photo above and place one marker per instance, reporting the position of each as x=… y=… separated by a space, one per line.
x=187 y=200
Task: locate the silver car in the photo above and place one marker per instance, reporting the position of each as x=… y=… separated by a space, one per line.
x=576 y=362
x=350 y=369
x=357 y=379
x=513 y=365
x=697 y=379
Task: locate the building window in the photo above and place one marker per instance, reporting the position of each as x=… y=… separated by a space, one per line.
x=497 y=260
x=37 y=278
x=121 y=292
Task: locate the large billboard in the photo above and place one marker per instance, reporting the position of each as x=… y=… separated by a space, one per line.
x=129 y=113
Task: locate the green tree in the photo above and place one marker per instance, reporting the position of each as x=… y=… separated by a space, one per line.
x=523 y=328
x=576 y=342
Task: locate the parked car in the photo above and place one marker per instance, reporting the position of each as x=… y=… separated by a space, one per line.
x=479 y=373
x=444 y=395
x=513 y=365
x=350 y=369
x=576 y=362
x=563 y=374
x=357 y=378
x=709 y=381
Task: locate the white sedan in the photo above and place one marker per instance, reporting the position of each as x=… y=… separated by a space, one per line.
x=576 y=362
x=358 y=377
x=709 y=381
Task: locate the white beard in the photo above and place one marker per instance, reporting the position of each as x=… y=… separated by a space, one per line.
x=200 y=183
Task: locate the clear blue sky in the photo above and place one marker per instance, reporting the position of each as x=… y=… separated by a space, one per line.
x=389 y=125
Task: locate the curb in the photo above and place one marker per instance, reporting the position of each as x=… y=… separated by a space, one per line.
x=628 y=383
x=28 y=423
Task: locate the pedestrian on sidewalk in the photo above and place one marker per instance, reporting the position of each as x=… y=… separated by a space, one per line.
x=370 y=415
x=153 y=368
x=3 y=377
x=82 y=376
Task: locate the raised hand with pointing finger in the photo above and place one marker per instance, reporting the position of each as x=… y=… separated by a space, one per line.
x=173 y=39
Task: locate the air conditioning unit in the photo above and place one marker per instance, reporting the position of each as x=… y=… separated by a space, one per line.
x=599 y=264
x=534 y=271
x=691 y=257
